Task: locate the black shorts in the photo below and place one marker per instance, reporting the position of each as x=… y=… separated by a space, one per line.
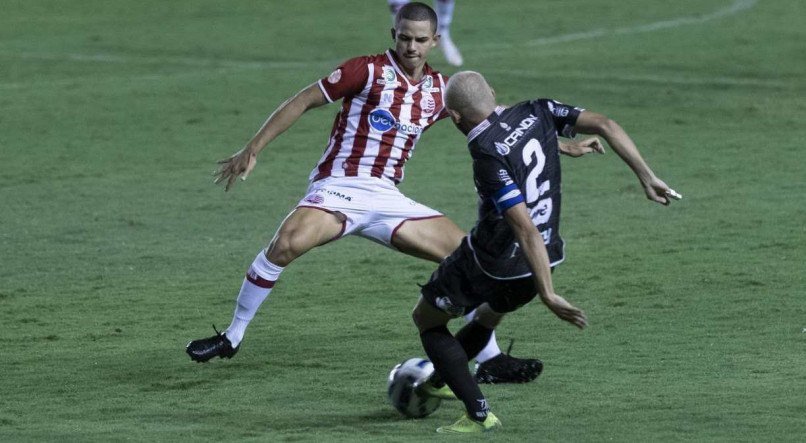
x=459 y=286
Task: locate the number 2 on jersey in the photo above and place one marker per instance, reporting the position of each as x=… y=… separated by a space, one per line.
x=540 y=212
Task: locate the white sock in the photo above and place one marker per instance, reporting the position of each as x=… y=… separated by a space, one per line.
x=489 y=351
x=444 y=10
x=255 y=289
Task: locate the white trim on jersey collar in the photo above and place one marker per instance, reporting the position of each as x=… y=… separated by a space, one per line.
x=483 y=125
x=397 y=68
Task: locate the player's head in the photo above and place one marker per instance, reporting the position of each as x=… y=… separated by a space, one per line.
x=469 y=99
x=415 y=34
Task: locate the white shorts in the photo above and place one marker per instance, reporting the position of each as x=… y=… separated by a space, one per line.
x=374 y=208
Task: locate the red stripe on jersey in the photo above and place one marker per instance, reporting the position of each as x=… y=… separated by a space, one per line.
x=360 y=144
x=388 y=139
x=416 y=113
x=336 y=137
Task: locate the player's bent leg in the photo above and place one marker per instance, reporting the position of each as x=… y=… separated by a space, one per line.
x=448 y=357
x=491 y=349
x=302 y=230
x=435 y=239
x=429 y=238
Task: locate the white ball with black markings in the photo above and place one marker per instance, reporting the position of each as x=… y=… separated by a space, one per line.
x=402 y=390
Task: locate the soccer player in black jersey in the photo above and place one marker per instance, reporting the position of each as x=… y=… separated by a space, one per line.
x=507 y=258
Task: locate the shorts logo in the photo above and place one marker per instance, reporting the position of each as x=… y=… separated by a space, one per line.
x=445 y=304
x=381 y=120
x=334 y=76
x=428 y=104
x=315 y=199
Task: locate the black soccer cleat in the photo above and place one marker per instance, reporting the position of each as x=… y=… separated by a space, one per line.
x=504 y=368
x=204 y=349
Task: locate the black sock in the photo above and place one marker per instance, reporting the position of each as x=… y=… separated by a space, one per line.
x=474 y=337
x=450 y=362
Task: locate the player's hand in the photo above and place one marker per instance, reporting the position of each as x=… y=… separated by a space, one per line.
x=566 y=311
x=239 y=164
x=578 y=149
x=658 y=191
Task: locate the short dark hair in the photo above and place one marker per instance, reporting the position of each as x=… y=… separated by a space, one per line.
x=417 y=12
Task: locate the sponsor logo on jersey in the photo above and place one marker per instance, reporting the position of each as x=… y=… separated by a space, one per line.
x=503 y=175
x=502 y=148
x=334 y=76
x=428 y=84
x=387 y=97
x=561 y=111
x=382 y=120
x=389 y=77
x=505 y=126
x=516 y=135
x=428 y=104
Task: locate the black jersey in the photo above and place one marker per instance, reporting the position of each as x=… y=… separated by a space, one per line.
x=516 y=159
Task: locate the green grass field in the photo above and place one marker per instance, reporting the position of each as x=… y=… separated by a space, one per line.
x=117 y=249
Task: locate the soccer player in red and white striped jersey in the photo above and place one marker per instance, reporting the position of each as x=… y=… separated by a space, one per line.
x=388 y=100
x=383 y=114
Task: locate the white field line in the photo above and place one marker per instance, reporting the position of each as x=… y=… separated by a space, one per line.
x=188 y=61
x=655 y=79
x=736 y=7
x=224 y=64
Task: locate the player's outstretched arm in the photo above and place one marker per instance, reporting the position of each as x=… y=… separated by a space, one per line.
x=535 y=251
x=242 y=162
x=654 y=188
x=572 y=148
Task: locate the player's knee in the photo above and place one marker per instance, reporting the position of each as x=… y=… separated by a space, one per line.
x=415 y=317
x=285 y=248
x=419 y=318
x=487 y=317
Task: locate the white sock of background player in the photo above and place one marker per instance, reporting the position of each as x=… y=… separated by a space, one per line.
x=444 y=10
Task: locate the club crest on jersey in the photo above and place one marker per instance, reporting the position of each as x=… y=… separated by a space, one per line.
x=334 y=76
x=428 y=104
x=381 y=120
x=389 y=77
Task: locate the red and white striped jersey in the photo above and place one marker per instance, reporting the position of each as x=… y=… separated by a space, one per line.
x=381 y=118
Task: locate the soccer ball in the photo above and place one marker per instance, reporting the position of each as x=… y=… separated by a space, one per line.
x=402 y=390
